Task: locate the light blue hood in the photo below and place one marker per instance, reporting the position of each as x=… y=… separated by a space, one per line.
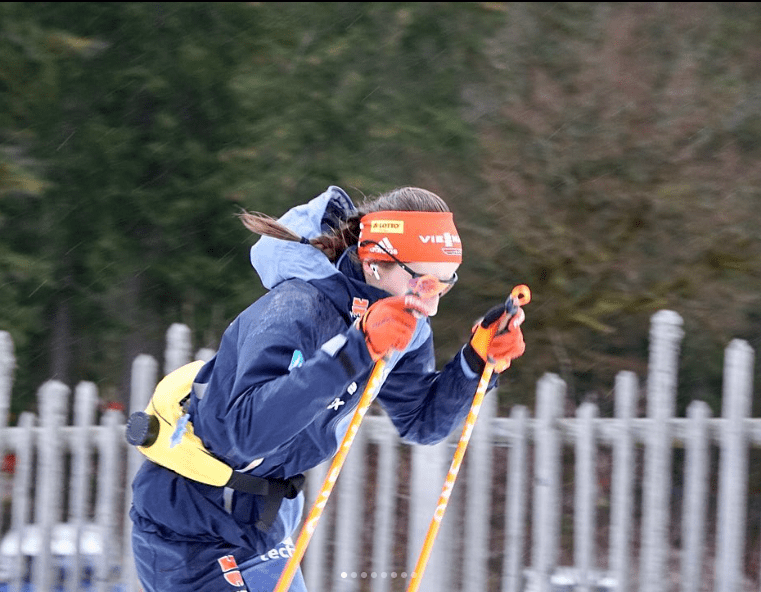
x=277 y=260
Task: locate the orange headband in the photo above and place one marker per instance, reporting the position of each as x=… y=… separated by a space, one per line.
x=409 y=236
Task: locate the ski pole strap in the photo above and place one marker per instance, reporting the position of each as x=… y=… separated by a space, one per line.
x=272 y=490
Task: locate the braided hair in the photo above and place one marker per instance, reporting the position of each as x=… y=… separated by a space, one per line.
x=334 y=243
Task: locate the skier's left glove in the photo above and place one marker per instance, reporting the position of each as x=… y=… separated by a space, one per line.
x=496 y=337
x=389 y=324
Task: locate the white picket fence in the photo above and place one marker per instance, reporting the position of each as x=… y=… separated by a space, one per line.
x=548 y=503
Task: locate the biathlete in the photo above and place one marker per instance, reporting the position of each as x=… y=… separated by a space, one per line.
x=276 y=399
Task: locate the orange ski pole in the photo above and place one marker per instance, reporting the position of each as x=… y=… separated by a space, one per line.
x=519 y=296
x=373 y=385
x=421 y=287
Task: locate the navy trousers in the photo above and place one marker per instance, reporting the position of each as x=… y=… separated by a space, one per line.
x=167 y=566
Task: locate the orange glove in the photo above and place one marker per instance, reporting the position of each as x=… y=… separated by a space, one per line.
x=497 y=338
x=390 y=323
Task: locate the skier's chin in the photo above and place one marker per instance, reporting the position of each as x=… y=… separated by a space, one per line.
x=431 y=306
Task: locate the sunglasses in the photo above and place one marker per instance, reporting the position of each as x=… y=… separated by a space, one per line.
x=424 y=285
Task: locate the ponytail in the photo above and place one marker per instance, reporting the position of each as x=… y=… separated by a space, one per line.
x=333 y=244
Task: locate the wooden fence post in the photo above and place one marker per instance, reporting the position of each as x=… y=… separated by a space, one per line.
x=547 y=442
x=85 y=408
x=429 y=469
x=347 y=570
x=665 y=336
x=477 y=482
x=178 y=347
x=109 y=472
x=733 y=476
x=22 y=507
x=385 y=502
x=205 y=354
x=53 y=402
x=696 y=486
x=143 y=381
x=585 y=497
x=515 y=501
x=315 y=558
x=7 y=366
x=622 y=489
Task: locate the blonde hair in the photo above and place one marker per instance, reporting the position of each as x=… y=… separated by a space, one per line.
x=333 y=244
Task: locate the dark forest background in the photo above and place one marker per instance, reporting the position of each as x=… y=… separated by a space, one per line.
x=606 y=154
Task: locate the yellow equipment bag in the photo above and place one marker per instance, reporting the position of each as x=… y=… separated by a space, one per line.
x=174 y=445
x=164 y=434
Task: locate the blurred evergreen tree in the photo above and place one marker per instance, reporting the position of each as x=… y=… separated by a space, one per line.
x=126 y=110
x=153 y=123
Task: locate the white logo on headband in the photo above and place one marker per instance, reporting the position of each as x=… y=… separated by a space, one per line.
x=447 y=239
x=384 y=246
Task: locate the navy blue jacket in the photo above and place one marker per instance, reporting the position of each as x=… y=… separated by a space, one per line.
x=277 y=398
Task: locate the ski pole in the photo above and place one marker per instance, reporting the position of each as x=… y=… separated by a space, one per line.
x=519 y=296
x=374 y=384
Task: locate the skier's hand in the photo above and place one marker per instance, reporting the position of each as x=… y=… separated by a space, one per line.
x=496 y=337
x=390 y=323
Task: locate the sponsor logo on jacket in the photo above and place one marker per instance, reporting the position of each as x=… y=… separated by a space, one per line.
x=297 y=360
x=283 y=551
x=231 y=572
x=359 y=307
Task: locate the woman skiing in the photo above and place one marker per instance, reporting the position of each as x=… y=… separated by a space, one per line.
x=278 y=395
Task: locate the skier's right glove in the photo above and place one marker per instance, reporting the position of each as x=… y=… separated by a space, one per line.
x=390 y=323
x=498 y=337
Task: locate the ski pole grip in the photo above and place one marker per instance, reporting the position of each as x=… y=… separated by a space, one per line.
x=520 y=296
